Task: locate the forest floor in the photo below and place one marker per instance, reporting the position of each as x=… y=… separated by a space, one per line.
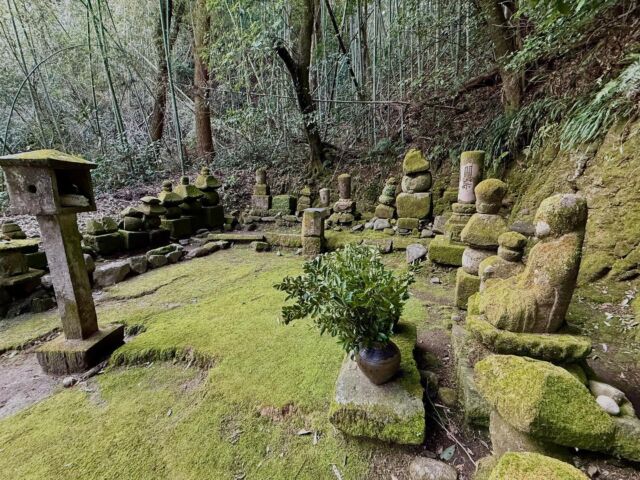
x=212 y=385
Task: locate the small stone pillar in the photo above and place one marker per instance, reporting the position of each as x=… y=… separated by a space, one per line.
x=191 y=206
x=448 y=248
x=261 y=198
x=56 y=187
x=325 y=198
x=313 y=240
x=213 y=212
x=304 y=200
x=345 y=208
x=480 y=236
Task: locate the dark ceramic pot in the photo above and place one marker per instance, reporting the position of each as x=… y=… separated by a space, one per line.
x=379 y=363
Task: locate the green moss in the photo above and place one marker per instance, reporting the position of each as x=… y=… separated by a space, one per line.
x=466 y=285
x=533 y=466
x=413 y=205
x=415 y=162
x=627 y=438
x=595 y=266
x=445 y=252
x=545 y=401
x=483 y=230
x=19 y=332
x=267 y=382
x=491 y=191
x=285 y=240
x=512 y=240
x=544 y=346
x=485 y=466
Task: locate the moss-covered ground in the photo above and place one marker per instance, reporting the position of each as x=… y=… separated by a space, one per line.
x=233 y=406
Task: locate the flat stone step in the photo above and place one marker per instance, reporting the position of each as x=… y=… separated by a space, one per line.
x=240 y=237
x=392 y=412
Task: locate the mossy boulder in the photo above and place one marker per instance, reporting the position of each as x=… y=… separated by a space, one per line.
x=533 y=466
x=415 y=162
x=482 y=230
x=392 y=412
x=414 y=205
x=446 y=252
x=544 y=346
x=627 y=438
x=512 y=240
x=543 y=400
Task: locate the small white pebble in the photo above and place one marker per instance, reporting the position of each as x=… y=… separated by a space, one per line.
x=68 y=382
x=608 y=404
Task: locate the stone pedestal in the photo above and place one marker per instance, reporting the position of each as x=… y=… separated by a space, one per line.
x=284 y=204
x=213 y=216
x=313 y=240
x=178 y=227
x=466 y=285
x=134 y=240
x=446 y=252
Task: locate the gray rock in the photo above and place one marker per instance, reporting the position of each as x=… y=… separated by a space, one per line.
x=368 y=226
x=439 y=223
x=381 y=224
x=386 y=247
x=601 y=388
x=435 y=281
x=111 y=273
x=358 y=228
x=174 y=257
x=427 y=233
x=198 y=252
x=138 y=264
x=260 y=246
x=525 y=228
x=608 y=404
x=416 y=252
x=184 y=242
x=423 y=468
x=46 y=281
x=68 y=382
x=157 y=261
x=89 y=263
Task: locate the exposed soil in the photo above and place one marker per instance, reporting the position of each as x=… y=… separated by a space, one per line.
x=23 y=383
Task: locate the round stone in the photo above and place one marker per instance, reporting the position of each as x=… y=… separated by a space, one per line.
x=472 y=257
x=512 y=240
x=509 y=255
x=423 y=468
x=417 y=183
x=608 y=404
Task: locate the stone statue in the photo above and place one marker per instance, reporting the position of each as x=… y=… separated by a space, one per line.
x=537 y=299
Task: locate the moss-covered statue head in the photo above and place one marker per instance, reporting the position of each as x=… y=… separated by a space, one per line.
x=561 y=214
x=489 y=195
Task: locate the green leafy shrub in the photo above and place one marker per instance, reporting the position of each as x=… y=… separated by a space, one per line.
x=350 y=295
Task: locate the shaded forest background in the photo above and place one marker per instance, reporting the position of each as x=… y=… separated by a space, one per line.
x=310 y=88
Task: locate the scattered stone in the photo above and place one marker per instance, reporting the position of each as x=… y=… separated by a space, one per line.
x=427 y=233
x=68 y=382
x=184 y=242
x=89 y=263
x=157 y=261
x=174 y=257
x=138 y=264
x=439 y=223
x=525 y=228
x=448 y=396
x=608 y=404
x=381 y=224
x=358 y=228
x=435 y=281
x=416 y=252
x=527 y=465
x=111 y=273
x=423 y=468
x=601 y=388
x=260 y=246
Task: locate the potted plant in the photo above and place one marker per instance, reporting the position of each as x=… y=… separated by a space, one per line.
x=351 y=295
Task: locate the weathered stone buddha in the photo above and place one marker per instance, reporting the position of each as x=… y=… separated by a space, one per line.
x=537 y=299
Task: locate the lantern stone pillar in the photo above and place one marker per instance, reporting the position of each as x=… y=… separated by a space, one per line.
x=55 y=187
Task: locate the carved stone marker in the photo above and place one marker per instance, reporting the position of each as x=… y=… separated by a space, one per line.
x=55 y=187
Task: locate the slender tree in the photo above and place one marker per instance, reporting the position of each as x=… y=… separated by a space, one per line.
x=497 y=14
x=297 y=64
x=201 y=28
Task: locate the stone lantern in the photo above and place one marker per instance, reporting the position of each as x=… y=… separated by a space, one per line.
x=55 y=187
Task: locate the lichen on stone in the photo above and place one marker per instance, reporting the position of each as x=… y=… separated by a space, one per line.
x=533 y=466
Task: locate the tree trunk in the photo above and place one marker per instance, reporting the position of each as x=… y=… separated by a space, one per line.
x=299 y=71
x=503 y=35
x=156 y=122
x=204 y=134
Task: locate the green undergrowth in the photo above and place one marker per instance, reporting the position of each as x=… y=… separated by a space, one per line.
x=16 y=333
x=267 y=382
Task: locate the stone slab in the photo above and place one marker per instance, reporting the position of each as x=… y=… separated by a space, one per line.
x=240 y=237
x=134 y=240
x=446 y=252
x=62 y=357
x=392 y=412
x=552 y=347
x=106 y=244
x=286 y=240
x=29 y=245
x=178 y=227
x=37 y=260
